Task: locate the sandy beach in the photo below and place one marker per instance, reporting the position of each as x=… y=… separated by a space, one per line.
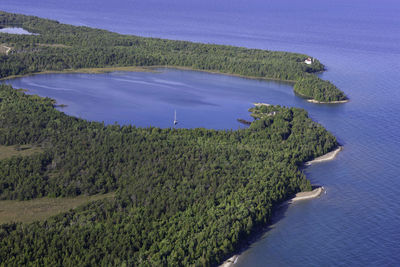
x=328 y=156
x=307 y=195
x=331 y=102
x=229 y=262
x=261 y=104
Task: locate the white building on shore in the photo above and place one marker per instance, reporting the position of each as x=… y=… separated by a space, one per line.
x=308 y=61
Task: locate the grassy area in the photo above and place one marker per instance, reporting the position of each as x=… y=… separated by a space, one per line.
x=87 y=70
x=55 y=45
x=42 y=208
x=18 y=150
x=105 y=70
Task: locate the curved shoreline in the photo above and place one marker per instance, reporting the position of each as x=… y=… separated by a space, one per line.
x=328 y=156
x=298 y=197
x=152 y=69
x=142 y=69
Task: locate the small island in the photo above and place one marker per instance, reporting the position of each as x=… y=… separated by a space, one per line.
x=56 y=47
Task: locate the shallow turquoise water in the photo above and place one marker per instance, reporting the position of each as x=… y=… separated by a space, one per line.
x=357 y=222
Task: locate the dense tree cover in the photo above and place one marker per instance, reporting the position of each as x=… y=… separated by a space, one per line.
x=58 y=47
x=183 y=196
x=320 y=90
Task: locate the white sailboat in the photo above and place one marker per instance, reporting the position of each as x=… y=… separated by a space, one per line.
x=175 y=120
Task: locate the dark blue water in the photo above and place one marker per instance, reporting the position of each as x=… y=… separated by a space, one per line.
x=357 y=222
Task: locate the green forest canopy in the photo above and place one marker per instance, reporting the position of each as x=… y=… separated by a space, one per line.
x=182 y=196
x=57 y=47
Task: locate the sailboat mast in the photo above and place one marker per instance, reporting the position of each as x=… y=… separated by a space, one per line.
x=175 y=121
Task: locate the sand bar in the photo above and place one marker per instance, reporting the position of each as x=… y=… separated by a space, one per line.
x=229 y=262
x=261 y=104
x=330 y=102
x=328 y=156
x=308 y=195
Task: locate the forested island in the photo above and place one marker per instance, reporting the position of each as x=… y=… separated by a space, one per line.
x=60 y=47
x=181 y=196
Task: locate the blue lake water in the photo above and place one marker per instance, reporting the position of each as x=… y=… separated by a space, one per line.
x=357 y=222
x=150 y=98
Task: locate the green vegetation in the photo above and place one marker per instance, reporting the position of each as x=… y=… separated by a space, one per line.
x=150 y=196
x=39 y=209
x=182 y=196
x=319 y=90
x=58 y=47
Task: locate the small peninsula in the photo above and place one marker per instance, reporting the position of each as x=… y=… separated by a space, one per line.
x=55 y=47
x=319 y=91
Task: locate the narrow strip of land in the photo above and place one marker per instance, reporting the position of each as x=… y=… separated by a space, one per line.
x=308 y=195
x=229 y=262
x=261 y=104
x=328 y=156
x=331 y=102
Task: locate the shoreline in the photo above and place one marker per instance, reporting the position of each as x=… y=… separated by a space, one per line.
x=83 y=70
x=223 y=73
x=261 y=104
x=316 y=192
x=320 y=102
x=152 y=69
x=141 y=69
x=307 y=195
x=328 y=156
x=331 y=102
x=298 y=197
x=229 y=262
